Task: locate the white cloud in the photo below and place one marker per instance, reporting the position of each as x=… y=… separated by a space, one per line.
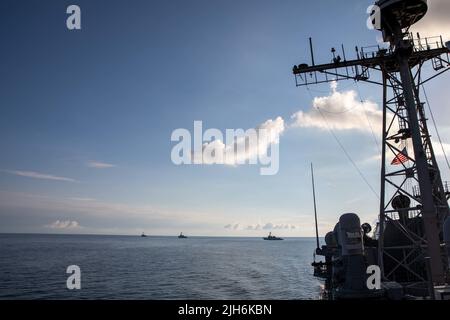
x=438 y=148
x=268 y=133
x=37 y=175
x=281 y=226
x=64 y=224
x=268 y=226
x=342 y=111
x=338 y=111
x=285 y=226
x=99 y=165
x=230 y=226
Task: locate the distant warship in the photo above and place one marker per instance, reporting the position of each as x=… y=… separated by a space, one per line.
x=271 y=237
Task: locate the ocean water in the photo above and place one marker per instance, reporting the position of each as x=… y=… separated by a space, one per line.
x=127 y=267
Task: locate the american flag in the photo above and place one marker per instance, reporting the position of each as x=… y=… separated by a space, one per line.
x=400 y=158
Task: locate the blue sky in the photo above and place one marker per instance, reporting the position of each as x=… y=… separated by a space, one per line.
x=86 y=116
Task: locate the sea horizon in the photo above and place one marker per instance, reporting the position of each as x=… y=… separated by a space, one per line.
x=38 y=266
x=149 y=235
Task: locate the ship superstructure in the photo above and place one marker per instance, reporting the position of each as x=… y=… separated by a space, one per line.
x=412 y=241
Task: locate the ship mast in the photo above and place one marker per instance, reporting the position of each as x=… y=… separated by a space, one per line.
x=315 y=207
x=413 y=200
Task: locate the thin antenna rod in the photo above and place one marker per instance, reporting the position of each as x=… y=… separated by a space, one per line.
x=312 y=51
x=315 y=207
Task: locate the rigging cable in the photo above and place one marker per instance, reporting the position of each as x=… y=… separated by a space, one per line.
x=345 y=151
x=328 y=111
x=368 y=120
x=435 y=126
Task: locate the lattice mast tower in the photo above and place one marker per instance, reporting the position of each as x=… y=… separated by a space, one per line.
x=413 y=200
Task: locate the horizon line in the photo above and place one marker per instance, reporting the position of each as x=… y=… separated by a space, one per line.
x=137 y=235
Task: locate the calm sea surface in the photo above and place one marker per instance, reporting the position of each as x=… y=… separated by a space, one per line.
x=125 y=267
